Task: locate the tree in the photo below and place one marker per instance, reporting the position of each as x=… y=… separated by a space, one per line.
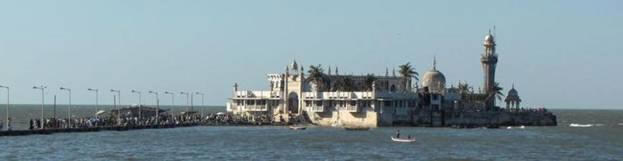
x=497 y=91
x=317 y=76
x=370 y=78
x=344 y=83
x=463 y=88
x=407 y=72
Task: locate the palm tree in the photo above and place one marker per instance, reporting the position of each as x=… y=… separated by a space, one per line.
x=407 y=72
x=343 y=83
x=497 y=91
x=370 y=78
x=463 y=88
x=317 y=76
x=349 y=85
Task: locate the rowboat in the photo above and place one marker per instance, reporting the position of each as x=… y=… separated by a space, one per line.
x=580 y=125
x=402 y=140
x=297 y=128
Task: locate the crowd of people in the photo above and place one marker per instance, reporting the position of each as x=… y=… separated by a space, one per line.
x=134 y=121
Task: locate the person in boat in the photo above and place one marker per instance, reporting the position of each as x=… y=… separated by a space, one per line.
x=397 y=133
x=408 y=136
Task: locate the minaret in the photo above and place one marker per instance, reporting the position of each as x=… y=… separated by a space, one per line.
x=394 y=72
x=329 y=70
x=286 y=78
x=337 y=72
x=489 y=60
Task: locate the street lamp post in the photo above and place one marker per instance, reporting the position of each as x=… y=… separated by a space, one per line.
x=172 y=97
x=202 y=103
x=187 y=94
x=117 y=107
x=140 y=116
x=8 y=125
x=96 y=100
x=42 y=88
x=69 y=109
x=157 y=107
x=192 y=101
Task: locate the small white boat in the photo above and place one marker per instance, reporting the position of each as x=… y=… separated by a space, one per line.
x=522 y=127
x=403 y=140
x=297 y=128
x=100 y=112
x=580 y=125
x=509 y=127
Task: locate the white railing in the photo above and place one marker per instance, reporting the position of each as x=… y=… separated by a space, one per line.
x=338 y=95
x=255 y=108
x=316 y=109
x=257 y=94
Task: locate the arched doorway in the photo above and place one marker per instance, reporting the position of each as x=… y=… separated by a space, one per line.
x=293 y=102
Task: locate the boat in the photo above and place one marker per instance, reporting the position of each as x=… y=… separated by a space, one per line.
x=357 y=128
x=509 y=127
x=522 y=127
x=403 y=140
x=297 y=128
x=580 y=125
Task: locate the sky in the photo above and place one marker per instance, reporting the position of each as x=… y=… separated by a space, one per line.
x=559 y=54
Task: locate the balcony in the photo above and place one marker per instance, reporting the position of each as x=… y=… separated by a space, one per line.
x=257 y=94
x=338 y=95
x=255 y=108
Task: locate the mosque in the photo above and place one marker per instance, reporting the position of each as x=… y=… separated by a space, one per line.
x=343 y=100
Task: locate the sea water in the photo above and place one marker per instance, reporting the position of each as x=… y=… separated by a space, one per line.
x=562 y=142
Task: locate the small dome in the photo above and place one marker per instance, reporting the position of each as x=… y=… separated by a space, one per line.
x=434 y=80
x=489 y=40
x=513 y=95
x=513 y=92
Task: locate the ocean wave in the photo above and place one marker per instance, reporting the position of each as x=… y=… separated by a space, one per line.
x=580 y=125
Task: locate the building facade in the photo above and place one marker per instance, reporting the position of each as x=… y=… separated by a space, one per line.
x=339 y=100
x=333 y=99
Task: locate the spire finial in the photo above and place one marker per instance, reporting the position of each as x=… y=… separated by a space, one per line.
x=386 y=71
x=494 y=30
x=337 y=71
x=394 y=72
x=513 y=85
x=329 y=69
x=434 y=62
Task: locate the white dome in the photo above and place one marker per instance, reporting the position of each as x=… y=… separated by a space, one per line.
x=434 y=80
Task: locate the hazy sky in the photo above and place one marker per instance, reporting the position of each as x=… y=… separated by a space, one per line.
x=560 y=54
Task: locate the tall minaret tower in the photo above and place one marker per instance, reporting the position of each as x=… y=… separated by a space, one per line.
x=489 y=60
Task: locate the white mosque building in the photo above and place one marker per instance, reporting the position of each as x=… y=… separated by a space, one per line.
x=368 y=100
